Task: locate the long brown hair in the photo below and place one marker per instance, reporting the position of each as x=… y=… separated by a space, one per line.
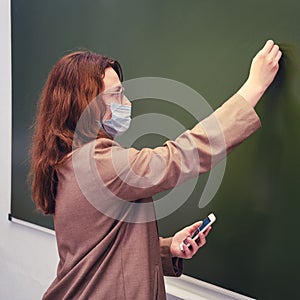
x=72 y=84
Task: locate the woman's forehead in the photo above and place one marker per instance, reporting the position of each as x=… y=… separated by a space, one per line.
x=111 y=79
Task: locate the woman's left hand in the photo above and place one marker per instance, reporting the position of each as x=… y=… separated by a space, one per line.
x=188 y=252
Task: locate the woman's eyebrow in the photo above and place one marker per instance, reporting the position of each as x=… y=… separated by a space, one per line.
x=114 y=88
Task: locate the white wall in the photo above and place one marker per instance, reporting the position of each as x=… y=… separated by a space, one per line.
x=28 y=258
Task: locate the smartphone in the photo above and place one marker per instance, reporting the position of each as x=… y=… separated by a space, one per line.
x=208 y=221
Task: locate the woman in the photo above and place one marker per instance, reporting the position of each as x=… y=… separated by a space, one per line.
x=121 y=257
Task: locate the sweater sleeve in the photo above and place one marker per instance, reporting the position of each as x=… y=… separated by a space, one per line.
x=172 y=266
x=133 y=174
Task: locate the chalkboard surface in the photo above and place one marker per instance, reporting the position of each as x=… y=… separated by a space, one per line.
x=208 y=45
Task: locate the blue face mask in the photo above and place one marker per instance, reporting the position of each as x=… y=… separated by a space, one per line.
x=120 y=120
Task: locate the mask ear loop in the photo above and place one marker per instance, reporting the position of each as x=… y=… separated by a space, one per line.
x=102 y=110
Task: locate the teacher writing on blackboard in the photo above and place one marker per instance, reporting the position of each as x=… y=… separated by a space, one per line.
x=121 y=257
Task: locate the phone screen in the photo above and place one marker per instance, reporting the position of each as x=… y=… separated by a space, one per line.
x=208 y=221
x=203 y=225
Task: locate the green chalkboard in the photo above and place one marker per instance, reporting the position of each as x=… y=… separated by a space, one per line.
x=254 y=246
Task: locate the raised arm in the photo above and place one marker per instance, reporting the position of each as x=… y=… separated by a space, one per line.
x=133 y=174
